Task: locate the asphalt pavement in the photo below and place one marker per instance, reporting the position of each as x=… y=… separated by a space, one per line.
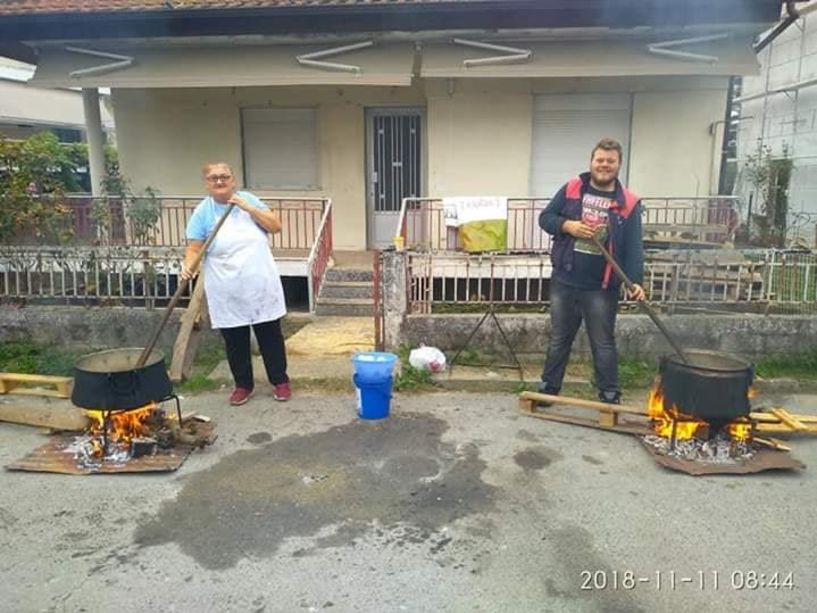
x=456 y=502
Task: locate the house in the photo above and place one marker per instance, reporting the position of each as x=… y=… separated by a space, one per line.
x=26 y=110
x=368 y=102
x=777 y=109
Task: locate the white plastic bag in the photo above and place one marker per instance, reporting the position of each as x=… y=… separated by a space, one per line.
x=427 y=358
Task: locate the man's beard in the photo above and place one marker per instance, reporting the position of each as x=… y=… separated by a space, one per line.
x=602 y=184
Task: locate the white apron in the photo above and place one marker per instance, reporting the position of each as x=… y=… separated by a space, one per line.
x=240 y=276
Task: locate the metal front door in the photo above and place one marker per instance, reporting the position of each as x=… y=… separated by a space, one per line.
x=394 y=168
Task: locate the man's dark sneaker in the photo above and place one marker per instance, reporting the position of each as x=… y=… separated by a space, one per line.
x=545 y=388
x=610 y=397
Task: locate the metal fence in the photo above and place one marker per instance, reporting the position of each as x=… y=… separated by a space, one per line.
x=710 y=220
x=161 y=221
x=764 y=281
x=144 y=275
x=104 y=276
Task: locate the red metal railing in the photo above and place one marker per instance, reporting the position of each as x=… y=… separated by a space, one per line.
x=422 y=222
x=319 y=255
x=116 y=221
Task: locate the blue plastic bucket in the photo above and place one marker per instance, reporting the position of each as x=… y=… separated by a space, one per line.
x=374 y=397
x=373 y=366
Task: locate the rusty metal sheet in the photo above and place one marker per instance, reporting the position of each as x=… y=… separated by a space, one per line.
x=54 y=457
x=762 y=460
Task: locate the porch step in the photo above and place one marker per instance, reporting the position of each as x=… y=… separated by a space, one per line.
x=349 y=274
x=347 y=289
x=349 y=307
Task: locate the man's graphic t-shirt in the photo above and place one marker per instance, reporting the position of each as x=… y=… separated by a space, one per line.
x=588 y=262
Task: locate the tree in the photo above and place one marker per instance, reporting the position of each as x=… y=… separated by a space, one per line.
x=769 y=177
x=34 y=176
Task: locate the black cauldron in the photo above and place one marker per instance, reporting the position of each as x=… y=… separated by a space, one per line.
x=711 y=386
x=109 y=380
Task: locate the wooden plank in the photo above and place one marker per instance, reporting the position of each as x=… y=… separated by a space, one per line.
x=782 y=429
x=30 y=378
x=772 y=442
x=184 y=349
x=764 y=417
x=581 y=402
x=31 y=391
x=56 y=418
x=789 y=420
x=14 y=383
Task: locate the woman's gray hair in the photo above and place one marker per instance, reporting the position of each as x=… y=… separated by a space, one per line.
x=206 y=168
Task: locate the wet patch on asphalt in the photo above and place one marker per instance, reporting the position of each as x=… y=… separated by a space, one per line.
x=259 y=438
x=536 y=458
x=359 y=476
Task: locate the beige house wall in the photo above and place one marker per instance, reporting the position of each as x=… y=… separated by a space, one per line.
x=479 y=138
x=167 y=134
x=676 y=142
x=480 y=132
x=478 y=135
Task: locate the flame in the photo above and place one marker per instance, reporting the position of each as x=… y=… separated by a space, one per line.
x=122 y=427
x=664 y=419
x=740 y=430
x=752 y=392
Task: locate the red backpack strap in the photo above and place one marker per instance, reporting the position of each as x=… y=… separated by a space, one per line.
x=574 y=188
x=630 y=200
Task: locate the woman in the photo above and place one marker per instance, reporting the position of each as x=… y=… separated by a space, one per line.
x=241 y=279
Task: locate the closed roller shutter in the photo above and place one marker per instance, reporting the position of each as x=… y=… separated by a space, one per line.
x=565 y=129
x=280 y=148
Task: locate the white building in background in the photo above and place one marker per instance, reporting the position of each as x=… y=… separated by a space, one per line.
x=778 y=108
x=26 y=110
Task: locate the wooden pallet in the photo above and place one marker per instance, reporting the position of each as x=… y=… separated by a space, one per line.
x=780 y=421
x=608 y=416
x=17 y=383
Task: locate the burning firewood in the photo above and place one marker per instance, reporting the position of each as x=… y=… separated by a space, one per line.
x=141 y=432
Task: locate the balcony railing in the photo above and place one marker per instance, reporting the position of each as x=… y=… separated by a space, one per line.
x=161 y=221
x=695 y=221
x=114 y=258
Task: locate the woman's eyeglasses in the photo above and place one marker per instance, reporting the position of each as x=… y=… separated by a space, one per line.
x=217 y=178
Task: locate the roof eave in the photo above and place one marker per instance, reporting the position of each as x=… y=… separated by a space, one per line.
x=490 y=14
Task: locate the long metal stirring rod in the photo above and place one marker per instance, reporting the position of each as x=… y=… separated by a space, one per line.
x=641 y=303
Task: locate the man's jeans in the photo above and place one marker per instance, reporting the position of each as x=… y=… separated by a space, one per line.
x=568 y=307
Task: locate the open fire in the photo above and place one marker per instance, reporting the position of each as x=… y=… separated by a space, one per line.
x=122 y=435
x=114 y=438
x=686 y=437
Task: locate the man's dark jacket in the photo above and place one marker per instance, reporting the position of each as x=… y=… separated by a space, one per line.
x=624 y=235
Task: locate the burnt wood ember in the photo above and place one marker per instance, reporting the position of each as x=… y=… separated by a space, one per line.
x=142 y=446
x=719 y=449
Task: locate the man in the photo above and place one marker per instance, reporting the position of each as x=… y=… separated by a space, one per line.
x=583 y=285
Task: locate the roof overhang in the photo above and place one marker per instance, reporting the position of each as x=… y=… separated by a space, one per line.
x=732 y=55
x=385 y=17
x=376 y=65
